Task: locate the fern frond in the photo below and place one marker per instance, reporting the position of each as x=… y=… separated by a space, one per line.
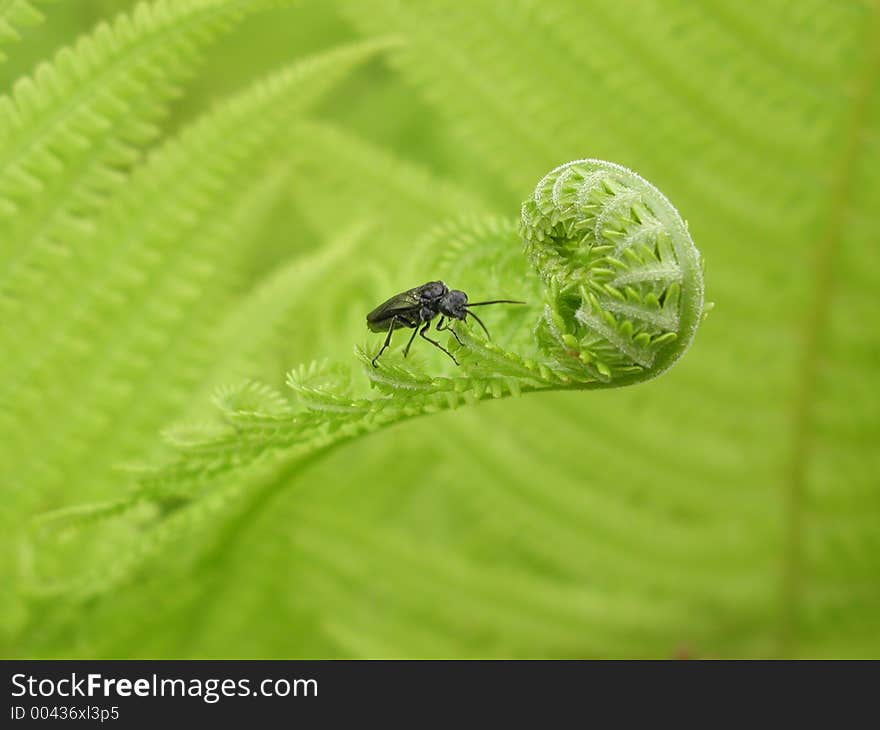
x=267 y=324
x=503 y=601
x=485 y=67
x=14 y=16
x=569 y=256
x=71 y=130
x=240 y=403
x=738 y=496
x=334 y=164
x=457 y=58
x=159 y=269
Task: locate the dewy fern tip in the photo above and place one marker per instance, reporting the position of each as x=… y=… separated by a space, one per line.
x=616 y=293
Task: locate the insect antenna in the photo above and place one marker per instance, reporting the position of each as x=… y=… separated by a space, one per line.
x=494 y=301
x=480 y=321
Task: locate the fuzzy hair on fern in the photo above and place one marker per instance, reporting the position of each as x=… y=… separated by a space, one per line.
x=615 y=288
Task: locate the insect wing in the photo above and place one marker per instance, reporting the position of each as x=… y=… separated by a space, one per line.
x=405 y=304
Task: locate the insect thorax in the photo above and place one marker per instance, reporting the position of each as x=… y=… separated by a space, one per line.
x=433 y=291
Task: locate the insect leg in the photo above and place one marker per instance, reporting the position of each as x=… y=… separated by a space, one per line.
x=387 y=340
x=443 y=325
x=434 y=342
x=412 y=337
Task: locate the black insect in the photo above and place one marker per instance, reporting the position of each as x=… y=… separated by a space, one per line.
x=416 y=308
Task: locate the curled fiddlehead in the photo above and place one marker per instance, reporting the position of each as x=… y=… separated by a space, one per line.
x=615 y=289
x=622 y=279
x=610 y=268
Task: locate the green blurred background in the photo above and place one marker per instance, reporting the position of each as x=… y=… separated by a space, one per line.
x=730 y=508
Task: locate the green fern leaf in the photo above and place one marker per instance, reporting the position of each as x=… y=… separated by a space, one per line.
x=143 y=325
x=333 y=163
x=15 y=15
x=71 y=129
x=726 y=509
